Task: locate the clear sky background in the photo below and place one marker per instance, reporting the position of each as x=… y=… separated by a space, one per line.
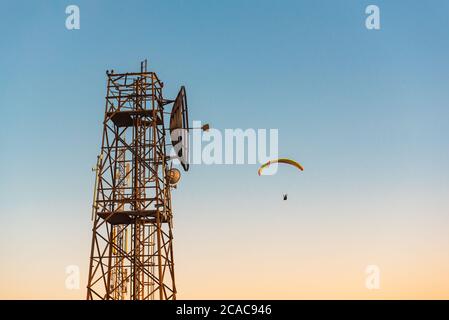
x=366 y=112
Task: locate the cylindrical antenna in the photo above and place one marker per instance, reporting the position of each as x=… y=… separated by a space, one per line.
x=143 y=65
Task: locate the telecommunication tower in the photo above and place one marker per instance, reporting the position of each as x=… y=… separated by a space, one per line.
x=131 y=253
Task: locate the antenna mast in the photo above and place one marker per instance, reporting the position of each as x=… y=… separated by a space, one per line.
x=132 y=241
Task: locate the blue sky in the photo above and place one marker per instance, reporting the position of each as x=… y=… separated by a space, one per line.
x=366 y=112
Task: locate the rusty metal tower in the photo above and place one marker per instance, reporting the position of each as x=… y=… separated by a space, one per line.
x=132 y=242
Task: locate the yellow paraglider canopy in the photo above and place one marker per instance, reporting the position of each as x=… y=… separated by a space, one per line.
x=281 y=160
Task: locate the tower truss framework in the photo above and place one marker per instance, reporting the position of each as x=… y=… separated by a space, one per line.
x=132 y=241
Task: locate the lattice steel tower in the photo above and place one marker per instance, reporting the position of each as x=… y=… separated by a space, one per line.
x=132 y=243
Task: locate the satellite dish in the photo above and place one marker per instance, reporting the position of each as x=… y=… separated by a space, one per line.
x=173 y=176
x=179 y=128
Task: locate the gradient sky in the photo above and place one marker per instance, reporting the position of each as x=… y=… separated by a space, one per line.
x=366 y=113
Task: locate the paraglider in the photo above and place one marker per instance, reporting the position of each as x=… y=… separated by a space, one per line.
x=281 y=160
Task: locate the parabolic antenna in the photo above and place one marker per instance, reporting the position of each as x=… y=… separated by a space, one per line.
x=179 y=128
